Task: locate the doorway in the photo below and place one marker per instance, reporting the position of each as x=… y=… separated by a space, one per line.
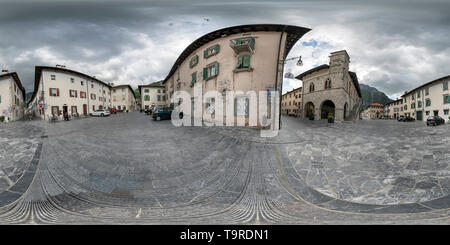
x=327 y=107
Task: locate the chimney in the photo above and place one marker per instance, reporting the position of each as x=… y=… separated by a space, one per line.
x=4 y=72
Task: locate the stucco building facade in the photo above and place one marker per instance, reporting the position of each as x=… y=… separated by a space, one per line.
x=291 y=102
x=58 y=90
x=12 y=97
x=240 y=58
x=123 y=98
x=432 y=98
x=153 y=94
x=331 y=88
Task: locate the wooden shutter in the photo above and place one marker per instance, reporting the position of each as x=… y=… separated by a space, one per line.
x=50 y=92
x=76 y=94
x=217 y=48
x=239 y=63
x=205 y=73
x=205 y=53
x=57 y=92
x=246 y=61
x=217 y=68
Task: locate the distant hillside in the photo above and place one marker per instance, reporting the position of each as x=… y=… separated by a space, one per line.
x=28 y=96
x=378 y=97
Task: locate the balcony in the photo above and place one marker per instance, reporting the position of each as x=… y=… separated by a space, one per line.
x=243 y=44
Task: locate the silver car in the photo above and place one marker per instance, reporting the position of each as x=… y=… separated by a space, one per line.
x=101 y=113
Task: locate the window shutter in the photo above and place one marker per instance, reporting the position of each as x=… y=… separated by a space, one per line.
x=76 y=94
x=57 y=92
x=217 y=48
x=205 y=73
x=50 y=92
x=239 y=63
x=217 y=68
x=205 y=53
x=246 y=61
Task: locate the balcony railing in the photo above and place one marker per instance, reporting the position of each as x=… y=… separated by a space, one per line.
x=243 y=44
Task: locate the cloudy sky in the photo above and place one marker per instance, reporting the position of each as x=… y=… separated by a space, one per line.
x=393 y=45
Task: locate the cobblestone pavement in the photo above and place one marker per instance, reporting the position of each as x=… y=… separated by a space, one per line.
x=130 y=169
x=18 y=144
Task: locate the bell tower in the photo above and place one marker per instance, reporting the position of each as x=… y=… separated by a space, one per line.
x=339 y=65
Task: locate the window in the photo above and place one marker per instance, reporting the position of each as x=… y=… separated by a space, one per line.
x=146 y=90
x=72 y=80
x=446 y=112
x=159 y=97
x=74 y=110
x=413 y=105
x=123 y=97
x=211 y=71
x=159 y=91
x=211 y=51
x=210 y=107
x=427 y=113
x=54 y=91
x=243 y=62
x=427 y=91
x=406 y=107
x=114 y=98
x=427 y=102
x=418 y=95
x=194 y=78
x=52 y=77
x=73 y=93
x=164 y=91
x=146 y=98
x=82 y=95
x=327 y=83
x=241 y=106
x=55 y=111
x=93 y=96
x=419 y=104
x=412 y=97
x=445 y=85
x=194 y=61
x=311 y=87
x=446 y=99
x=82 y=83
x=92 y=85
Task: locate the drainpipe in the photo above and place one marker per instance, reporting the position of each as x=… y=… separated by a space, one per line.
x=276 y=79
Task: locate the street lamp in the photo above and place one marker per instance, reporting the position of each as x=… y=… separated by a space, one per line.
x=299 y=63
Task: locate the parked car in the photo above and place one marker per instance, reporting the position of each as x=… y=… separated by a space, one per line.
x=162 y=113
x=409 y=119
x=113 y=111
x=435 y=120
x=400 y=118
x=101 y=113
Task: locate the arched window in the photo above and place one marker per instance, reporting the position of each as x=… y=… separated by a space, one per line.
x=328 y=83
x=311 y=88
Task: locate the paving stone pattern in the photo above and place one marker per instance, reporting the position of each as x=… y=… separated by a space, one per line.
x=128 y=169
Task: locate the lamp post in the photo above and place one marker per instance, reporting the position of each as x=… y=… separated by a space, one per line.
x=287 y=75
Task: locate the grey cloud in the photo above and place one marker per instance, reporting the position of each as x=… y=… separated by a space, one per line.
x=103 y=37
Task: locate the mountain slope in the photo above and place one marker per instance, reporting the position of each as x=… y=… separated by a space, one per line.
x=378 y=97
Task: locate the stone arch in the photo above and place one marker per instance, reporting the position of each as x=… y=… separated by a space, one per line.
x=327 y=107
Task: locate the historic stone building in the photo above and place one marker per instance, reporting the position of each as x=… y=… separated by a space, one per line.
x=331 y=88
x=153 y=94
x=239 y=58
x=12 y=96
x=291 y=102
